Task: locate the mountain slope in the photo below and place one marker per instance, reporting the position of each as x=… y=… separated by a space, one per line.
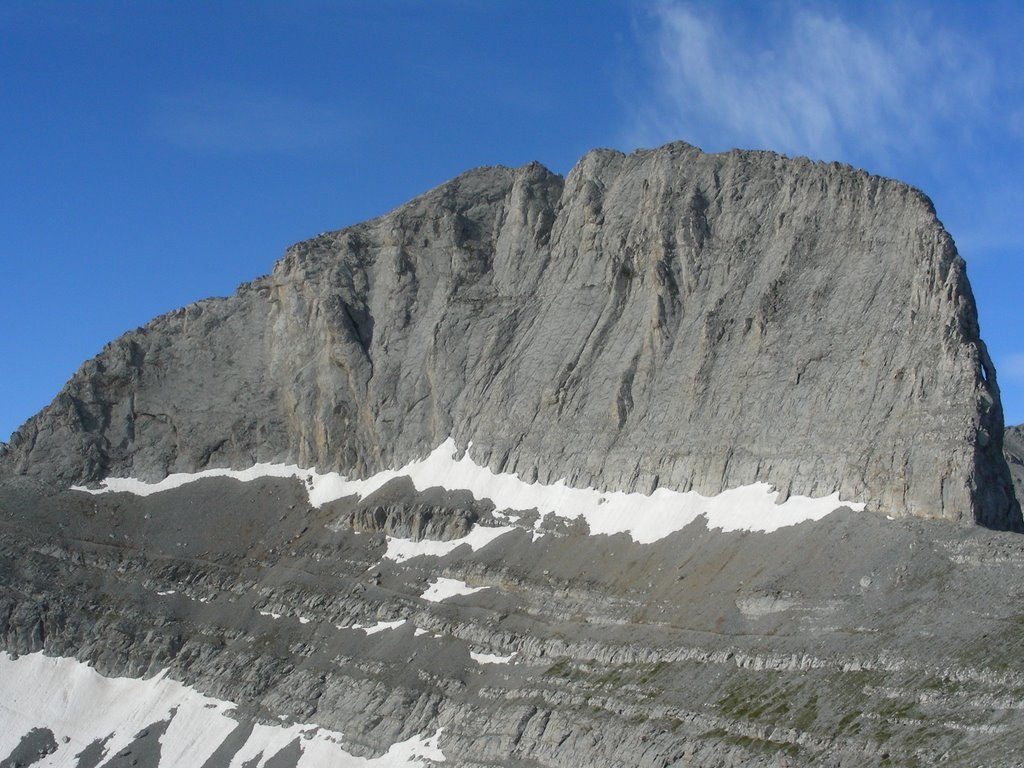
x=301 y=542
x=851 y=641
x=756 y=318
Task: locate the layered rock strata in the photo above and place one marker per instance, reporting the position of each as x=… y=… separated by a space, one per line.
x=850 y=641
x=665 y=318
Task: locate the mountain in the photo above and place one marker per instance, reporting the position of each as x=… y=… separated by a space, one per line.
x=756 y=317
x=655 y=465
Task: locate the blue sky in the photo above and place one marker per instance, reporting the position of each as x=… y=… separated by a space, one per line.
x=157 y=153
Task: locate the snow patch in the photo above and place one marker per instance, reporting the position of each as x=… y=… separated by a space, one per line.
x=400 y=550
x=178 y=479
x=442 y=588
x=380 y=626
x=413 y=750
x=645 y=517
x=490 y=658
x=80 y=705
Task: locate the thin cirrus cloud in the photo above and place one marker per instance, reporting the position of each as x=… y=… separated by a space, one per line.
x=232 y=122
x=806 y=83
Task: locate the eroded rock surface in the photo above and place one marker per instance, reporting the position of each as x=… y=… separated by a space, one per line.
x=1013 y=449
x=666 y=318
x=850 y=641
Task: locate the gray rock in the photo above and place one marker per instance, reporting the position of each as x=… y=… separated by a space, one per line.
x=33 y=747
x=666 y=318
x=397 y=509
x=851 y=641
x=1013 y=449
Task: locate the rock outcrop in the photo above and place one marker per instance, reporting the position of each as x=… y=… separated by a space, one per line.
x=1013 y=449
x=663 y=319
x=666 y=318
x=852 y=641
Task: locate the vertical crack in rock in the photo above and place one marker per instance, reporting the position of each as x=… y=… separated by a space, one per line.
x=667 y=318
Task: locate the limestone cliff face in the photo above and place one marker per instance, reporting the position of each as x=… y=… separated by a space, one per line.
x=1013 y=450
x=664 y=318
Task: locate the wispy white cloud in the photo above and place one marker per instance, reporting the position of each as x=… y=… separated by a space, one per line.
x=805 y=81
x=226 y=120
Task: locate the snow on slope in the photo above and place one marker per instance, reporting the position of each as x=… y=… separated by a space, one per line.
x=645 y=517
x=442 y=588
x=490 y=658
x=380 y=626
x=480 y=536
x=78 y=704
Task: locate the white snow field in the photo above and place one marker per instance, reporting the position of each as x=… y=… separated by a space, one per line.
x=645 y=517
x=480 y=536
x=490 y=658
x=442 y=588
x=78 y=704
x=380 y=626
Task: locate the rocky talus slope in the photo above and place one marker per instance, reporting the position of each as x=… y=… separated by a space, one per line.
x=852 y=641
x=755 y=317
x=667 y=322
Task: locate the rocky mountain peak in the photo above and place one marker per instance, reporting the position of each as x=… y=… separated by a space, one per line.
x=667 y=318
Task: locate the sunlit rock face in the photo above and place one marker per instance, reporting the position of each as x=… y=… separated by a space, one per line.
x=1013 y=449
x=664 y=319
x=652 y=465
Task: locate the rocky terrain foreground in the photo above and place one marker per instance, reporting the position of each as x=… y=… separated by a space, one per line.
x=854 y=640
x=682 y=460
